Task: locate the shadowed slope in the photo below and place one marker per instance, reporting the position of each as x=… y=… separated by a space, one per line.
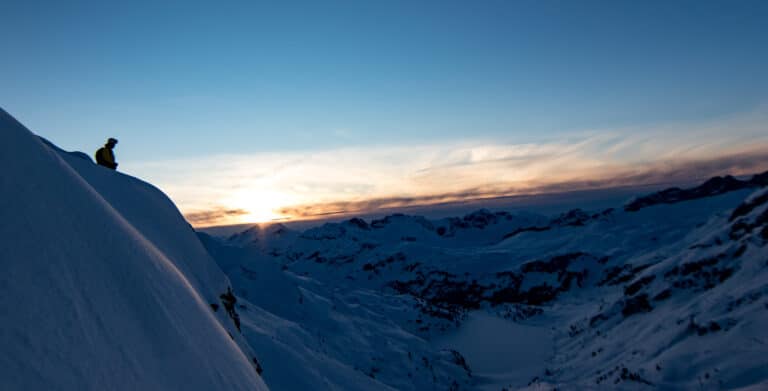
x=87 y=300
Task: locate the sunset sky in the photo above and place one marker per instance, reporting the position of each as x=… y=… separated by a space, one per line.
x=250 y=111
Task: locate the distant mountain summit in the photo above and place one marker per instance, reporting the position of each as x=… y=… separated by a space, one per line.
x=714 y=186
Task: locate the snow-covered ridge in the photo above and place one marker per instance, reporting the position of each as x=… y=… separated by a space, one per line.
x=712 y=187
x=104 y=285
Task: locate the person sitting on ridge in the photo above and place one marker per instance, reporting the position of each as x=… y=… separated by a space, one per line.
x=105 y=156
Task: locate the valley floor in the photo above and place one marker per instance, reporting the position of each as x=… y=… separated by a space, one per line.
x=500 y=352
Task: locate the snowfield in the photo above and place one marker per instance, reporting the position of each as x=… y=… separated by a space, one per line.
x=106 y=286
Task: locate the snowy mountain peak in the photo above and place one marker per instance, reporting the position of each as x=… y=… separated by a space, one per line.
x=712 y=187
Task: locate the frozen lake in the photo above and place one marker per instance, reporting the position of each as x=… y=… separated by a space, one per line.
x=499 y=352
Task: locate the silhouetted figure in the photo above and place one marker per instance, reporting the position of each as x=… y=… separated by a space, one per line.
x=105 y=156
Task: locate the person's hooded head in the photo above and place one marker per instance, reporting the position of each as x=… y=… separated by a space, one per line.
x=111 y=143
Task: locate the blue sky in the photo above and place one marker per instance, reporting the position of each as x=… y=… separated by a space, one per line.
x=192 y=81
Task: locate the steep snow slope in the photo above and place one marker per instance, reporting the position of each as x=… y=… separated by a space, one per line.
x=104 y=286
x=692 y=316
x=313 y=336
x=669 y=295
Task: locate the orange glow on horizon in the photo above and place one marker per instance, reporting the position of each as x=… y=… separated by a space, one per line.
x=311 y=185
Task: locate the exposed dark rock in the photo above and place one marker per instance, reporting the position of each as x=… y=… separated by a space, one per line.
x=574 y=217
x=381 y=223
x=368 y=246
x=620 y=274
x=712 y=187
x=746 y=299
x=337 y=260
x=328 y=231
x=606 y=212
x=518 y=312
x=700 y=275
x=250 y=234
x=693 y=267
x=372 y=372
x=743 y=226
x=359 y=223
x=374 y=267
x=628 y=375
x=707 y=328
x=475 y=220
x=748 y=206
x=459 y=360
x=597 y=319
x=449 y=294
x=248 y=273
x=483 y=218
x=637 y=285
x=556 y=264
x=257 y=366
x=540 y=294
x=635 y=305
x=526 y=229
x=663 y=295
x=228 y=299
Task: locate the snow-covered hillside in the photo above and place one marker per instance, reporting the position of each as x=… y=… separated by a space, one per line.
x=104 y=286
x=668 y=290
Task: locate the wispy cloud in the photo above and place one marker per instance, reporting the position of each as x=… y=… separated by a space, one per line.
x=661 y=172
x=366 y=178
x=210 y=217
